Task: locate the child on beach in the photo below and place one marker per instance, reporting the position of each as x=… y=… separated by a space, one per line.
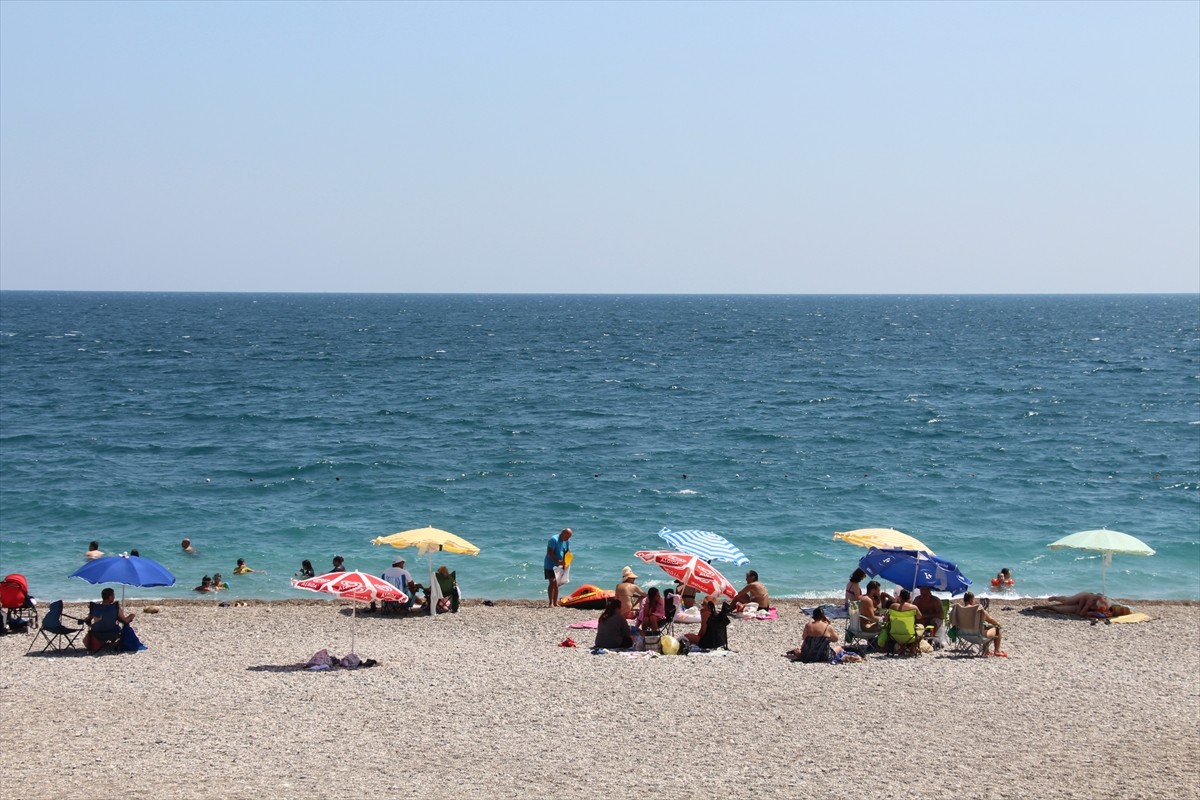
x=217 y=583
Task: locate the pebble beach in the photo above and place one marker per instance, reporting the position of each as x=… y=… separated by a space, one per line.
x=486 y=704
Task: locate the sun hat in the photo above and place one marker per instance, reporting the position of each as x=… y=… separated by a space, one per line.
x=399 y=562
x=627 y=574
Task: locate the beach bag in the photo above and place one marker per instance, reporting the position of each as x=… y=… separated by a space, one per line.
x=562 y=575
x=130 y=643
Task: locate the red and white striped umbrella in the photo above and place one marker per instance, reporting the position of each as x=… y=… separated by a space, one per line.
x=353 y=586
x=693 y=571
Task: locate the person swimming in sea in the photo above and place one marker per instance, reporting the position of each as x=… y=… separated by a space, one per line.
x=1003 y=581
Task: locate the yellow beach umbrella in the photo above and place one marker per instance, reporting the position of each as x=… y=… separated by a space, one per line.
x=429 y=541
x=882 y=538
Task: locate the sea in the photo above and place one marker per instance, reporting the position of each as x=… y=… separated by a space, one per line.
x=282 y=427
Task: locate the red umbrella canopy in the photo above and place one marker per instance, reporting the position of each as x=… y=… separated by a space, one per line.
x=353 y=585
x=698 y=574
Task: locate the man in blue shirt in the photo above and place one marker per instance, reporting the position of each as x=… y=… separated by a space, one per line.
x=556 y=551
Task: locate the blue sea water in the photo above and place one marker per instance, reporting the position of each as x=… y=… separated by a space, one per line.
x=281 y=427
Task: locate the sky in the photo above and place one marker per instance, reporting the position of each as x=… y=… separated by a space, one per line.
x=672 y=147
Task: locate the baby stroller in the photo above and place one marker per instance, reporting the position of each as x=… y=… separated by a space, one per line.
x=20 y=610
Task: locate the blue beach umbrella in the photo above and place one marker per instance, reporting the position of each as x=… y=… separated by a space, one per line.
x=705 y=545
x=911 y=569
x=125 y=570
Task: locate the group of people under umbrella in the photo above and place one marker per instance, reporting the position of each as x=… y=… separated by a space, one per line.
x=892 y=556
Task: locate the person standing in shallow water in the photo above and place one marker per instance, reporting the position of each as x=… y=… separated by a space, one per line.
x=556 y=552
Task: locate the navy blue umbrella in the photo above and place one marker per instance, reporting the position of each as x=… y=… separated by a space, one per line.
x=911 y=570
x=125 y=570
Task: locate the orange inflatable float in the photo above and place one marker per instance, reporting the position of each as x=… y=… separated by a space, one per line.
x=587 y=596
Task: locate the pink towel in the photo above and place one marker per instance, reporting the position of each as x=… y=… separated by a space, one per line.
x=590 y=623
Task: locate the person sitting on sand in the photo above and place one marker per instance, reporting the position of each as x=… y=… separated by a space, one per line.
x=242 y=569
x=754 y=592
x=218 y=583
x=712 y=626
x=306 y=570
x=868 y=608
x=991 y=628
x=853 y=587
x=1083 y=604
x=629 y=593
x=653 y=612
x=186 y=544
x=93 y=551
x=818 y=641
x=930 y=611
x=612 y=631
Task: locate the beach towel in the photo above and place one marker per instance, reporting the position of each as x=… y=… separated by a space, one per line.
x=1136 y=617
x=587 y=623
x=831 y=611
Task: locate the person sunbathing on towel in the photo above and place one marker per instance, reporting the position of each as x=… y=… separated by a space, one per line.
x=1083 y=604
x=754 y=592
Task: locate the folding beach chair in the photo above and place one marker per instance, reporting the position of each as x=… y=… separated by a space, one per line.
x=20 y=609
x=901 y=630
x=970 y=636
x=59 y=637
x=854 y=626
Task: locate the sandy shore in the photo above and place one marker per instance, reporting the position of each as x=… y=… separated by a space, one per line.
x=485 y=704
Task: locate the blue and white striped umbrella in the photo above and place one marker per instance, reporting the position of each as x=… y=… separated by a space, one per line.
x=704 y=544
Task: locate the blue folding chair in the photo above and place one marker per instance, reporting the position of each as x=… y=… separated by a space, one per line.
x=59 y=637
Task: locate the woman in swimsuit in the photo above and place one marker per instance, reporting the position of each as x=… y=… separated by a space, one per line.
x=1082 y=604
x=854 y=590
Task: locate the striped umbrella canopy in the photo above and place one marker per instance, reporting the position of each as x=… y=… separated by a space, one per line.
x=706 y=545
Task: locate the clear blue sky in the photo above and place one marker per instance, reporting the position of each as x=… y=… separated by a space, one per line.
x=600 y=147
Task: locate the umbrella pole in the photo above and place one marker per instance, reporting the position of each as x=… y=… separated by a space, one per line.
x=353 y=624
x=431 y=596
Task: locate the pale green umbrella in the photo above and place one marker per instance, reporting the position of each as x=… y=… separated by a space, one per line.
x=1106 y=542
